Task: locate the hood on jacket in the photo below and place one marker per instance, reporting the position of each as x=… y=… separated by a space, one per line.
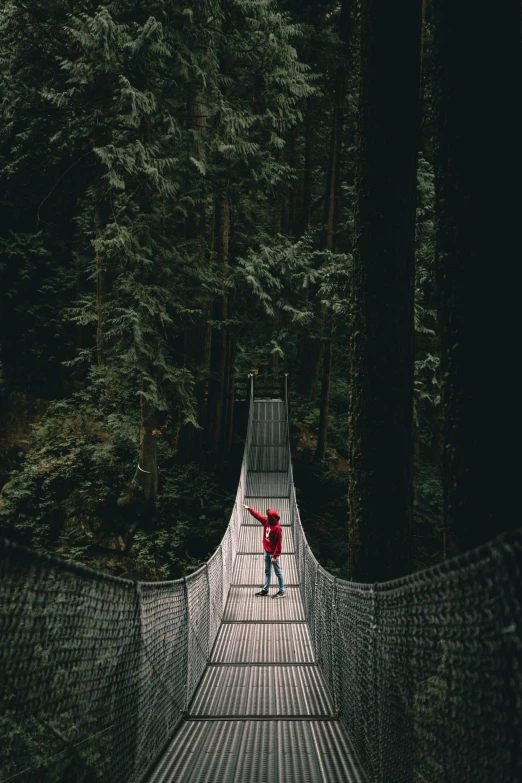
x=273 y=517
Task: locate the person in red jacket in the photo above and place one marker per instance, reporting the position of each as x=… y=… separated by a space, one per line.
x=272 y=542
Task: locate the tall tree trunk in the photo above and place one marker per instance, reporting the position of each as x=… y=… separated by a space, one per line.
x=478 y=204
x=218 y=363
x=382 y=330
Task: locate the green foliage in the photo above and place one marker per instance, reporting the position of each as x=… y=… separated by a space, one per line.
x=124 y=125
x=76 y=495
x=105 y=166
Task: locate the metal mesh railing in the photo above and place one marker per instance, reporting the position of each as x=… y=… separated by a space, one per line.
x=96 y=672
x=426 y=671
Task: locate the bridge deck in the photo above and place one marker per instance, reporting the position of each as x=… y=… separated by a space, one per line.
x=262 y=712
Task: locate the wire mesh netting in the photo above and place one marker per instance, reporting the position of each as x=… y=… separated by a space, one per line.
x=424 y=672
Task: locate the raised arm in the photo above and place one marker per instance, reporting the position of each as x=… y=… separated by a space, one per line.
x=256 y=515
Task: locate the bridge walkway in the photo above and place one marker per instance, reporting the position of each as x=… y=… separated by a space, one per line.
x=262 y=712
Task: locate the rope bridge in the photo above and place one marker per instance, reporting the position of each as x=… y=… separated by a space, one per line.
x=414 y=681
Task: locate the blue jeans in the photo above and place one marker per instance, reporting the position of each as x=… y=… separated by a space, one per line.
x=278 y=572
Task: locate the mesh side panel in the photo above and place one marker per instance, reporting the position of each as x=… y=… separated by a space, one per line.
x=426 y=671
x=198 y=627
x=70 y=654
x=235 y=526
x=323 y=623
x=354 y=644
x=163 y=668
x=215 y=581
x=227 y=555
x=310 y=586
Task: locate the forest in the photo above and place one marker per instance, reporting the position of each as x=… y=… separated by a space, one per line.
x=191 y=192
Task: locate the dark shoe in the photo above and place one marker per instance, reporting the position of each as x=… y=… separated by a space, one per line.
x=262 y=592
x=279 y=594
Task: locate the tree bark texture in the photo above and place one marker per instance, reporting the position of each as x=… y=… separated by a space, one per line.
x=478 y=172
x=382 y=330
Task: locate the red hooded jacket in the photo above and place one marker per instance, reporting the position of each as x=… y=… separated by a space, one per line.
x=272 y=533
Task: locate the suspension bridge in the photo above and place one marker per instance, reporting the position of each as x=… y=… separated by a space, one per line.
x=199 y=681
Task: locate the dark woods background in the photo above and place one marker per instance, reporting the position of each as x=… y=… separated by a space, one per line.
x=190 y=191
